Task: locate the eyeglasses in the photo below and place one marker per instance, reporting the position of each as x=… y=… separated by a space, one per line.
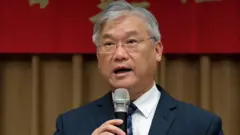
x=129 y=45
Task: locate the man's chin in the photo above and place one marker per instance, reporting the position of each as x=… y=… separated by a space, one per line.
x=122 y=84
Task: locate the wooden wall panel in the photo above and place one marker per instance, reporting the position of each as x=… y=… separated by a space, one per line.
x=16 y=84
x=35 y=89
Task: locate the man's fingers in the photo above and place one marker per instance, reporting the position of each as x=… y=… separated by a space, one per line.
x=110 y=127
x=107 y=133
x=114 y=122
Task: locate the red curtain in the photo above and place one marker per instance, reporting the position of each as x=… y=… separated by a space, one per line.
x=64 y=26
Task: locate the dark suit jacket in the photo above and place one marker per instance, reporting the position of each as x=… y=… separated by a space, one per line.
x=172 y=117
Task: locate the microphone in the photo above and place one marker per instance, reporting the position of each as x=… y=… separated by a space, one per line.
x=121 y=101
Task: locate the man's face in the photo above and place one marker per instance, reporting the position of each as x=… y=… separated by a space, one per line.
x=128 y=67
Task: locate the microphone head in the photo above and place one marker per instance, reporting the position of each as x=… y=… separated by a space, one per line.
x=121 y=100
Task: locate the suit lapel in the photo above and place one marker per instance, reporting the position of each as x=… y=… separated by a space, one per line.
x=164 y=115
x=163 y=118
x=104 y=111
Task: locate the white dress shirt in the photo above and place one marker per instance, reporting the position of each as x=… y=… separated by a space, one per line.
x=146 y=104
x=143 y=116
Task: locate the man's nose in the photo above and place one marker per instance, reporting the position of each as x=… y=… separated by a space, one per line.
x=120 y=53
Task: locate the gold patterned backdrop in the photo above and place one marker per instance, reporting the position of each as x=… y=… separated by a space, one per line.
x=35 y=89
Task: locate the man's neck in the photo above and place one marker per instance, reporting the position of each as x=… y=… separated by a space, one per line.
x=135 y=95
x=138 y=91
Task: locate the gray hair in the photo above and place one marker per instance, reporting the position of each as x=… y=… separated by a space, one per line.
x=119 y=8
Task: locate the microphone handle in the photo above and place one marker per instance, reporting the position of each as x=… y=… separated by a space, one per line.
x=122 y=116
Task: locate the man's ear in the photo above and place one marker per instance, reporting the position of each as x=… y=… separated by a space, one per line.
x=158 y=50
x=97 y=55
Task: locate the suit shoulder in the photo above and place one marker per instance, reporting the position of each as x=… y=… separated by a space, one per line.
x=84 y=110
x=199 y=119
x=195 y=112
x=77 y=119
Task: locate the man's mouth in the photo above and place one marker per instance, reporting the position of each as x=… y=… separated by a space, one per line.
x=122 y=70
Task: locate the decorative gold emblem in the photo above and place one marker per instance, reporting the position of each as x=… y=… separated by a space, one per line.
x=42 y=3
x=105 y=3
x=199 y=1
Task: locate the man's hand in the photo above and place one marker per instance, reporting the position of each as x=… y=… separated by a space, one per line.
x=109 y=128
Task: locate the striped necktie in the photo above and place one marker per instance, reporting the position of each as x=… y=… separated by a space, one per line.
x=131 y=109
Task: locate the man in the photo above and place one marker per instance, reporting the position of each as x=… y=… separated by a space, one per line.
x=129 y=47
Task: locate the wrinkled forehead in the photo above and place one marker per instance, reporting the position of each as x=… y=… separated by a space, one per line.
x=124 y=26
x=130 y=33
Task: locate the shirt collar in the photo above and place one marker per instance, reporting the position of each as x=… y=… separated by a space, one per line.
x=148 y=101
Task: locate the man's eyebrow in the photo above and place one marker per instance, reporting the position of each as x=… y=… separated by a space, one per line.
x=104 y=36
x=129 y=33
x=133 y=32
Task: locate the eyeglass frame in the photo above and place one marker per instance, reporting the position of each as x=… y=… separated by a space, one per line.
x=124 y=45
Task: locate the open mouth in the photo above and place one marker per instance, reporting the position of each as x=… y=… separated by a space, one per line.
x=122 y=70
